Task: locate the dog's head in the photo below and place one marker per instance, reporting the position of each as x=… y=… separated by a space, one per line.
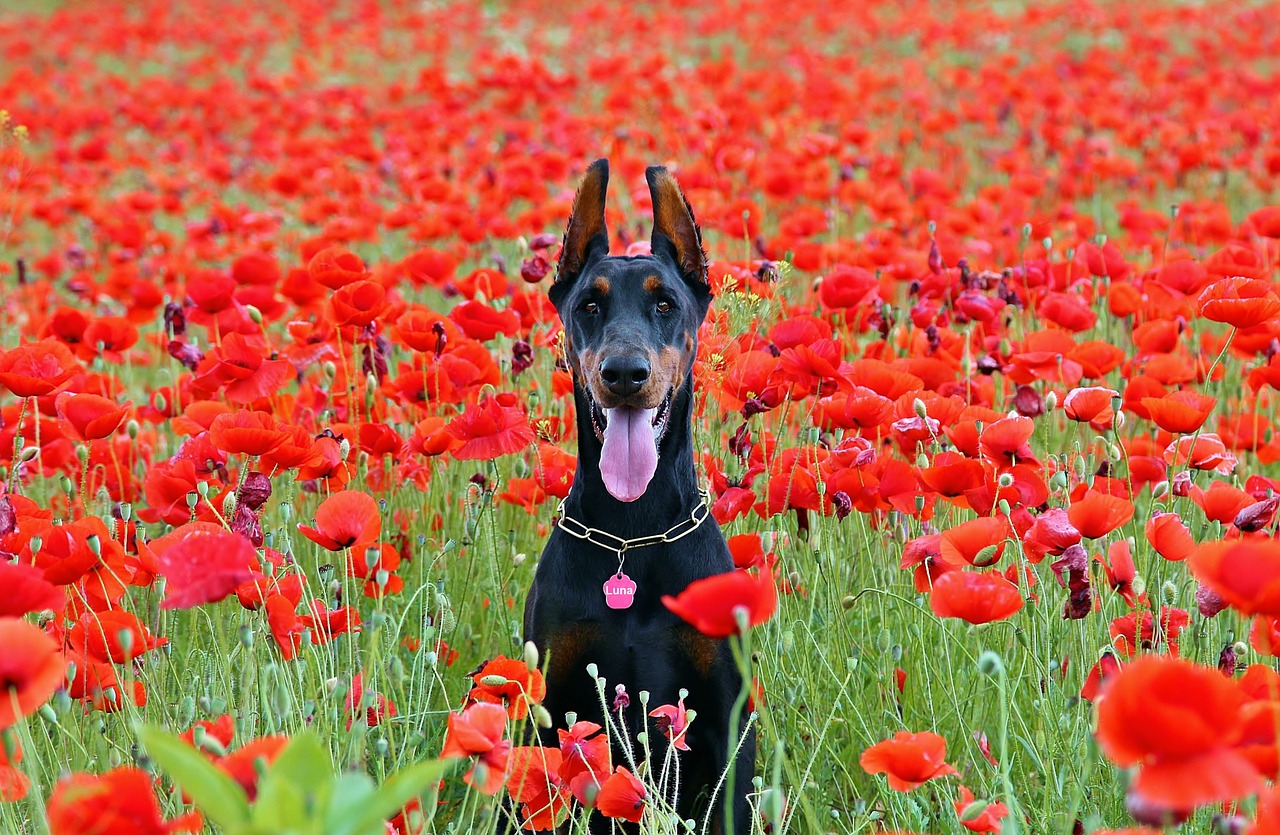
x=631 y=323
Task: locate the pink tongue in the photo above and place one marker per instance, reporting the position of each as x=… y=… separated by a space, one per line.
x=630 y=455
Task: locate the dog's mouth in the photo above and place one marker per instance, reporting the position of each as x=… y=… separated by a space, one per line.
x=600 y=415
x=629 y=438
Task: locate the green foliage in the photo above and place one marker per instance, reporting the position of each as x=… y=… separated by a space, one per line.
x=300 y=793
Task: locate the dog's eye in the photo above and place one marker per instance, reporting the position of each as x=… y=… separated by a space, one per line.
x=591 y=307
x=664 y=307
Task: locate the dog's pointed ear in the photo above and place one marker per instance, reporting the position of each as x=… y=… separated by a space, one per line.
x=586 y=237
x=675 y=233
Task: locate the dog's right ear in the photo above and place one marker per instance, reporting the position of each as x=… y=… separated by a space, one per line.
x=586 y=238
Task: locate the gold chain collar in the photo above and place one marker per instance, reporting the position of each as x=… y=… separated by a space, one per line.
x=620 y=546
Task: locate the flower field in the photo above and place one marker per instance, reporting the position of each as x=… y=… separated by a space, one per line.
x=985 y=405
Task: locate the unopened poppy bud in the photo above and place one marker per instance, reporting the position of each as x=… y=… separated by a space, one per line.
x=519 y=558
x=643 y=737
x=125 y=637
x=29 y=453
x=1047 y=243
x=973 y=811
x=1003 y=504
x=541 y=716
x=1169 y=593
x=989 y=664
x=1114 y=453
x=920 y=409
x=48 y=714
x=255 y=315
x=68 y=486
x=1051 y=401
x=1026 y=232
x=229 y=505
x=847 y=602
x=162 y=402
x=1240 y=648
x=986 y=556
x=1119 y=420
x=132 y=428
x=531 y=655
x=329 y=369
x=480 y=773
x=742 y=617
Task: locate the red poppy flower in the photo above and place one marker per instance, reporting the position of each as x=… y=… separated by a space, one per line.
x=478 y=732
x=91 y=417
x=586 y=760
x=986 y=819
x=673 y=721
x=1244 y=573
x=102 y=635
x=518 y=689
x=246 y=432
x=1240 y=302
x=347 y=519
x=1180 y=412
x=1221 y=502
x=711 y=604
x=978 y=542
x=1098 y=514
x=1092 y=405
x=534 y=781
x=203 y=564
x=908 y=759
x=974 y=597
x=240 y=369
x=1169 y=536
x=1050 y=534
x=622 y=797
x=493 y=427
x=37 y=369
x=1004 y=442
x=31 y=669
x=14 y=785
x=26 y=590
x=336 y=267
x=121 y=802
x=242 y=766
x=1180 y=723
x=359 y=303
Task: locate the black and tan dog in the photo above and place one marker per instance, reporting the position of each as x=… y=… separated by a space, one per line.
x=631 y=327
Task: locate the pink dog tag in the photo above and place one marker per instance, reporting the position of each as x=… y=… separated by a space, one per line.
x=619 y=591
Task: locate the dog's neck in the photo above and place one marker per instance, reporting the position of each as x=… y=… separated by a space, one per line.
x=671 y=495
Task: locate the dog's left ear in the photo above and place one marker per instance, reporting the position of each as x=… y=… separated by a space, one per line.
x=675 y=234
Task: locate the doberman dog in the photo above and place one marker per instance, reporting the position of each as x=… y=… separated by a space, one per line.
x=630 y=328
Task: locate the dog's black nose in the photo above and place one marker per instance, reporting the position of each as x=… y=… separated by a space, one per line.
x=624 y=374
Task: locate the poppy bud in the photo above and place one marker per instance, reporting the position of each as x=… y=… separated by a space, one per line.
x=519 y=558
x=1169 y=593
x=847 y=602
x=531 y=655
x=973 y=811
x=989 y=664
x=229 y=505
x=541 y=716
x=48 y=714
x=255 y=315
x=1051 y=401
x=920 y=409
x=1047 y=243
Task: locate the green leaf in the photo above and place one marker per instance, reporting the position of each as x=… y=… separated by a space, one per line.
x=399 y=789
x=216 y=795
x=295 y=787
x=351 y=795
